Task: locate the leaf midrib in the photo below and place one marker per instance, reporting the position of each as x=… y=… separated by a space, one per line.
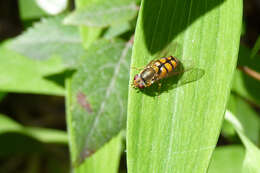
x=110 y=87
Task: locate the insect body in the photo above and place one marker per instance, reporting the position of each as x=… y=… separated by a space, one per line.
x=155 y=70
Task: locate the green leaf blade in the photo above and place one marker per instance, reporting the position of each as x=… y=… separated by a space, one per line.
x=104 y=160
x=256 y=48
x=102 y=14
x=97 y=103
x=23 y=75
x=247 y=117
x=88 y=34
x=41 y=134
x=227 y=159
x=177 y=131
x=50 y=38
x=252 y=157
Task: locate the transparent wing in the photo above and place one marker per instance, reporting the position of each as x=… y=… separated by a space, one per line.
x=183 y=66
x=175 y=49
x=186 y=64
x=169 y=50
x=172 y=49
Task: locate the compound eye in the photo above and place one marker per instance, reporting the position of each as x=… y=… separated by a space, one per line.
x=141 y=86
x=136 y=76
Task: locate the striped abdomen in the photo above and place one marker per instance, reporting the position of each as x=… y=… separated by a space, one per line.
x=164 y=66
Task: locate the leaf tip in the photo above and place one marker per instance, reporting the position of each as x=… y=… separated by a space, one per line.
x=83 y=155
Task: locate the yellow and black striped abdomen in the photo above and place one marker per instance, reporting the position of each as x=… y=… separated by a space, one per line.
x=165 y=65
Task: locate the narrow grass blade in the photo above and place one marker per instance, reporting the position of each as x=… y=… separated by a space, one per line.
x=177 y=131
x=8 y=125
x=246 y=116
x=252 y=158
x=256 y=48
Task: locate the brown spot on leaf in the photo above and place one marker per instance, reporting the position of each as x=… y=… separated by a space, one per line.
x=83 y=155
x=88 y=153
x=83 y=102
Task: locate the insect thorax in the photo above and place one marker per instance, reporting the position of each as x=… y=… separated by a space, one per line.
x=148 y=74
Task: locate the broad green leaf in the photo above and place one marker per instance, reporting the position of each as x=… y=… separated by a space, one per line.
x=107 y=158
x=28 y=10
x=102 y=14
x=246 y=116
x=116 y=30
x=8 y=125
x=177 y=131
x=243 y=84
x=50 y=38
x=252 y=158
x=256 y=48
x=97 y=97
x=104 y=160
x=20 y=74
x=227 y=159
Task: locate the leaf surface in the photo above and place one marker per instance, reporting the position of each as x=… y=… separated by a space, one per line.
x=104 y=160
x=246 y=116
x=116 y=30
x=50 y=38
x=227 y=159
x=88 y=34
x=177 y=131
x=97 y=97
x=102 y=14
x=20 y=74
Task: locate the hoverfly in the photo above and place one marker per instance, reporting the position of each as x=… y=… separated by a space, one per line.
x=155 y=71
